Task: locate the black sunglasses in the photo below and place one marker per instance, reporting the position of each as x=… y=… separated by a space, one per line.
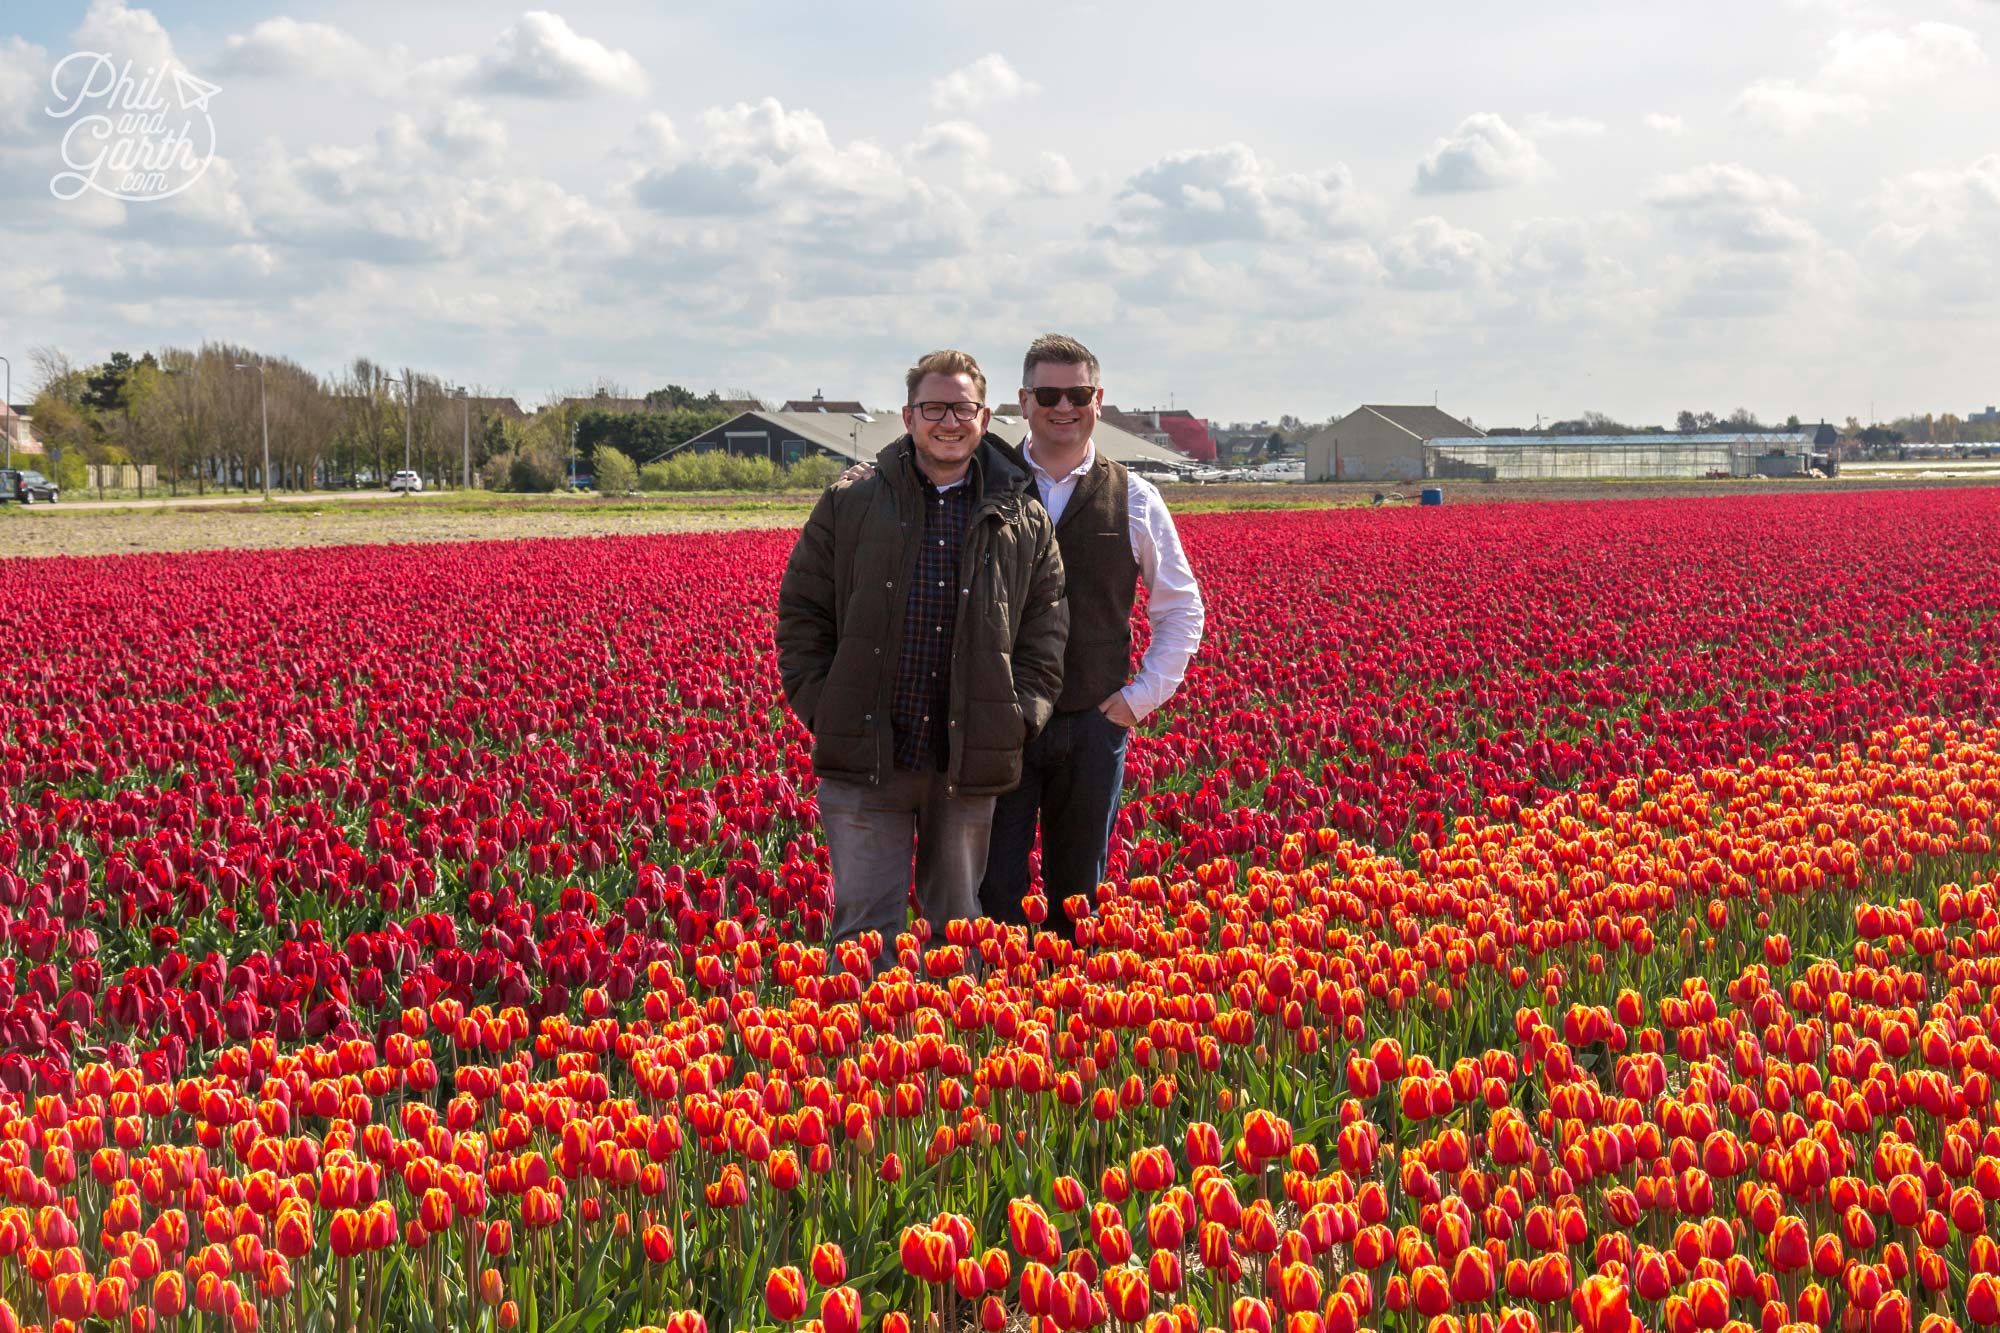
x=1079 y=395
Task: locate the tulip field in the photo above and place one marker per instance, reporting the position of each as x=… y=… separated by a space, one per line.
x=1526 y=917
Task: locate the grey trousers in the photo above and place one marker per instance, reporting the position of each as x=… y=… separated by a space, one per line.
x=869 y=833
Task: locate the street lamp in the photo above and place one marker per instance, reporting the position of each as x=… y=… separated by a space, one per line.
x=8 y=403
x=263 y=411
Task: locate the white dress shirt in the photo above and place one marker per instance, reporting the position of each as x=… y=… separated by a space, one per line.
x=1173 y=600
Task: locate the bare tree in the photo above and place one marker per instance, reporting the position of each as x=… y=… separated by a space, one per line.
x=51 y=368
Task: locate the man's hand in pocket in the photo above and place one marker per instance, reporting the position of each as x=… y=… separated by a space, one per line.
x=1116 y=709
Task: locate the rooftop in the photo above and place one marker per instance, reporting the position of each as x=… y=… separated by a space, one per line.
x=850 y=437
x=1657 y=440
x=820 y=403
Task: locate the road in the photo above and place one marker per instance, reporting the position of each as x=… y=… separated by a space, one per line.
x=232 y=498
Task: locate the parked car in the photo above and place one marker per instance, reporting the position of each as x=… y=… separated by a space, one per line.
x=406 y=481
x=27 y=486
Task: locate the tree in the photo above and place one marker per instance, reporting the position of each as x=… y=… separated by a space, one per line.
x=52 y=369
x=1744 y=419
x=1684 y=422
x=1591 y=423
x=1792 y=422
x=140 y=427
x=60 y=425
x=615 y=473
x=104 y=385
x=675 y=397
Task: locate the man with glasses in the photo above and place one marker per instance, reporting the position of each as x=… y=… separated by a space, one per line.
x=920 y=635
x=1114 y=532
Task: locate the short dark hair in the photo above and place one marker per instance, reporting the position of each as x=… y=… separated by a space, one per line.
x=945 y=361
x=1057 y=349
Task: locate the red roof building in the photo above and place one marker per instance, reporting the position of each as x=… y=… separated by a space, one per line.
x=1178 y=429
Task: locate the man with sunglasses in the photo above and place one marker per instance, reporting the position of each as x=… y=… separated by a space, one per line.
x=1115 y=533
x=920 y=635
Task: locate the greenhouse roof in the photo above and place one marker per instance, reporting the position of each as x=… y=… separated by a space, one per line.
x=1799 y=439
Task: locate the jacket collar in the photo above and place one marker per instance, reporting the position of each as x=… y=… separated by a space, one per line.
x=997 y=472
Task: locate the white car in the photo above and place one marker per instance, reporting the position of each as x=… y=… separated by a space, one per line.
x=406 y=481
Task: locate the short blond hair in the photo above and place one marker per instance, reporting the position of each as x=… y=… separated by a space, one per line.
x=1057 y=349
x=945 y=361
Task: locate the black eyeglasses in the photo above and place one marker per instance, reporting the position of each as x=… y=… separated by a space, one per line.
x=938 y=411
x=1079 y=395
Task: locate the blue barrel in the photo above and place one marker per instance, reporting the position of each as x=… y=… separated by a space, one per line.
x=1433 y=495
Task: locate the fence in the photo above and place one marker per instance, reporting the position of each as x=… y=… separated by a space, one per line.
x=121 y=476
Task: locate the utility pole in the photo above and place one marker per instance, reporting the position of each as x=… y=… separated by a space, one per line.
x=8 y=403
x=465 y=401
x=263 y=411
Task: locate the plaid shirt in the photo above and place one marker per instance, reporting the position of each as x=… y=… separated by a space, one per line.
x=922 y=699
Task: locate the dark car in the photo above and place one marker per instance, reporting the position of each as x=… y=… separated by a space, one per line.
x=27 y=487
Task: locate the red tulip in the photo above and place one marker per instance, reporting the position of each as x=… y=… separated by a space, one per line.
x=1127 y=1294
x=785 y=1294
x=839 y=1310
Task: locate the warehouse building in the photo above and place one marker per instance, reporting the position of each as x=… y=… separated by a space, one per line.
x=1625 y=457
x=786 y=437
x=1379 y=442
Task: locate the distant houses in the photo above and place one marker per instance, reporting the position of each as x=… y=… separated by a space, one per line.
x=17 y=428
x=1379 y=442
x=820 y=404
x=785 y=437
x=505 y=408
x=1171 y=428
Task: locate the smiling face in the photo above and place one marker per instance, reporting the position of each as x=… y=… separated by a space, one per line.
x=944 y=448
x=1066 y=427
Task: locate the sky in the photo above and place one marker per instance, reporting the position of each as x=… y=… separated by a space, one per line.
x=1514 y=210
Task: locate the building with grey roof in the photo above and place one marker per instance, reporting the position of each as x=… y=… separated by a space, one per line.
x=1379 y=442
x=1624 y=457
x=786 y=437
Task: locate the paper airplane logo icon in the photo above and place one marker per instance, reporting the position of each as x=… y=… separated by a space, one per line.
x=194 y=93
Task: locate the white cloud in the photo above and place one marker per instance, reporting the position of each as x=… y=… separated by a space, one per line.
x=1734 y=207
x=1545 y=125
x=24 y=69
x=1054 y=177
x=133 y=34
x=1432 y=255
x=1736 y=286
x=950 y=139
x=1562 y=250
x=286 y=47
x=540 y=55
x=1936 y=240
x=1792 y=108
x=436 y=191
x=987 y=81
x=1228 y=193
x=960 y=149
x=782 y=171
x=1661 y=123
x=1880 y=60
x=1883 y=58
x=1483 y=153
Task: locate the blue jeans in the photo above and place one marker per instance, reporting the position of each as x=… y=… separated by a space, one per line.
x=1071 y=777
